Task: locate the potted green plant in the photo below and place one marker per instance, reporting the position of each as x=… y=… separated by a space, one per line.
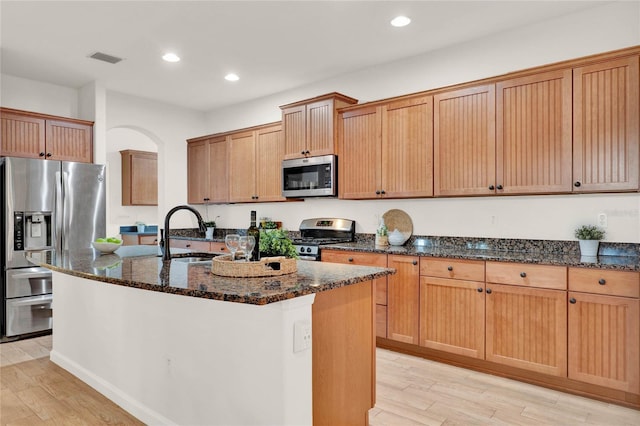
x=589 y=237
x=276 y=242
x=211 y=227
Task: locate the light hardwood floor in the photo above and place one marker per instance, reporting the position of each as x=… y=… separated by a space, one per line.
x=410 y=391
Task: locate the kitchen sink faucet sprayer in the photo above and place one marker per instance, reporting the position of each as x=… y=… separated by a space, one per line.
x=203 y=228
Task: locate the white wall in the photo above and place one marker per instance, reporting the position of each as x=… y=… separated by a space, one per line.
x=30 y=95
x=596 y=30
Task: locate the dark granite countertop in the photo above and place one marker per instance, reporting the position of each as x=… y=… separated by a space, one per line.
x=630 y=263
x=141 y=267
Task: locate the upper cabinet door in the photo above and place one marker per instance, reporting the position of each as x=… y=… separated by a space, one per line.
x=242 y=167
x=407 y=148
x=69 y=141
x=217 y=171
x=197 y=172
x=359 y=153
x=465 y=142
x=533 y=134
x=22 y=136
x=320 y=128
x=269 y=154
x=605 y=126
x=294 y=122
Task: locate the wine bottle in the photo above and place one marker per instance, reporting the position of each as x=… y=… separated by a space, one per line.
x=255 y=233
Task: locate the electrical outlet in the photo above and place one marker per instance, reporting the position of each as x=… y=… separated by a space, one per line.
x=602 y=220
x=301 y=335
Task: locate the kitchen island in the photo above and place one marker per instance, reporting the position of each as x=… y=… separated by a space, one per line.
x=173 y=344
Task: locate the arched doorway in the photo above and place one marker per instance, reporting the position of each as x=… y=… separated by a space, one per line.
x=117 y=139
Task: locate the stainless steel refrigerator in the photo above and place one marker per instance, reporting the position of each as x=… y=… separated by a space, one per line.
x=48 y=208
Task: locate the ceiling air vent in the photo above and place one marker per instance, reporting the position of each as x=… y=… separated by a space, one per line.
x=106 y=58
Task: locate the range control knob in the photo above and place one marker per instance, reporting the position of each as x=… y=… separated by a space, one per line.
x=308 y=249
x=301 y=249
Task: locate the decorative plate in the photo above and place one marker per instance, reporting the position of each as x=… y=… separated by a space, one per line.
x=400 y=220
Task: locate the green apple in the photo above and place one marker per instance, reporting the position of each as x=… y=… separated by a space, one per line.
x=101 y=240
x=113 y=240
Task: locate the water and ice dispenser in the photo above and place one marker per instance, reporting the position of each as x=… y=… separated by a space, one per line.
x=32 y=231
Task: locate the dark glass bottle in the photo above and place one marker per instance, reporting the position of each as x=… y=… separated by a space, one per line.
x=255 y=232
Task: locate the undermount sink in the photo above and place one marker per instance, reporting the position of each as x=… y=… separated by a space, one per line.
x=193 y=257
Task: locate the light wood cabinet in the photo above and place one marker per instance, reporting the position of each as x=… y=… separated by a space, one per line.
x=526 y=326
x=387 y=150
x=310 y=126
x=465 y=141
x=135 y=239
x=207 y=170
x=604 y=328
x=403 y=299
x=255 y=164
x=605 y=126
x=33 y=135
x=533 y=133
x=139 y=178
x=452 y=311
x=366 y=259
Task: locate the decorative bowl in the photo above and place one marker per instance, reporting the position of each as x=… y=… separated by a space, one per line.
x=396 y=238
x=106 y=247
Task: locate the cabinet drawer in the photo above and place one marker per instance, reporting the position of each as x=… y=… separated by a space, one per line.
x=543 y=276
x=471 y=270
x=150 y=240
x=191 y=245
x=354 y=258
x=219 y=247
x=601 y=281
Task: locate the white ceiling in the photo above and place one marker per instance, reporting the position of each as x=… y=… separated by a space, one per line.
x=272 y=46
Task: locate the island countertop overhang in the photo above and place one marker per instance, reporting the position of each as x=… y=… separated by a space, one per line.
x=141 y=267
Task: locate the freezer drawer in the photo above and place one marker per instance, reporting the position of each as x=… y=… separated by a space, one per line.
x=29 y=314
x=28 y=282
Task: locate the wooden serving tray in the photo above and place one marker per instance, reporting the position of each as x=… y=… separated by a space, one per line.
x=265 y=267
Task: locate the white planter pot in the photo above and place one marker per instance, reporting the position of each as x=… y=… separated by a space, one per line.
x=589 y=247
x=209 y=233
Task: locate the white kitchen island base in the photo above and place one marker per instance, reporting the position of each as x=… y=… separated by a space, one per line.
x=172 y=359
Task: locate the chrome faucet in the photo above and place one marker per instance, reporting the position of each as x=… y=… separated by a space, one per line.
x=203 y=228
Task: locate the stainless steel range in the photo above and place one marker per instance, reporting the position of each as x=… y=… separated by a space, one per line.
x=320 y=231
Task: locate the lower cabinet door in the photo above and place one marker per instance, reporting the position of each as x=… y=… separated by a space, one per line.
x=604 y=340
x=527 y=328
x=403 y=301
x=452 y=316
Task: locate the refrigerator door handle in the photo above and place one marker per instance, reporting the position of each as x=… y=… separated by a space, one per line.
x=66 y=210
x=58 y=214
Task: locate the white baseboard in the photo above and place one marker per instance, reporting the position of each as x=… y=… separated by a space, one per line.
x=125 y=401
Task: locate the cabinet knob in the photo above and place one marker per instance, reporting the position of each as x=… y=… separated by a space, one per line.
x=350 y=259
x=41 y=154
x=377 y=192
x=302 y=152
x=307 y=152
x=222 y=248
x=205 y=199
x=602 y=281
x=491 y=187
x=49 y=154
x=489 y=291
x=479 y=289
x=449 y=268
x=415 y=262
x=572 y=300
x=383 y=192
x=523 y=274
x=499 y=187
x=188 y=245
x=577 y=184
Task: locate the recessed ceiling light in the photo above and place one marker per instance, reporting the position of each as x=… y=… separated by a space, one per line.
x=400 y=21
x=231 y=77
x=171 y=57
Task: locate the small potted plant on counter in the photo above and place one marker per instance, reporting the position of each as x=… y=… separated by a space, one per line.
x=211 y=227
x=276 y=242
x=589 y=237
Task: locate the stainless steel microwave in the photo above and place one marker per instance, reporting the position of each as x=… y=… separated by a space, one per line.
x=310 y=177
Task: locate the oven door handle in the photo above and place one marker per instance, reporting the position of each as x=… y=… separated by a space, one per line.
x=306 y=257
